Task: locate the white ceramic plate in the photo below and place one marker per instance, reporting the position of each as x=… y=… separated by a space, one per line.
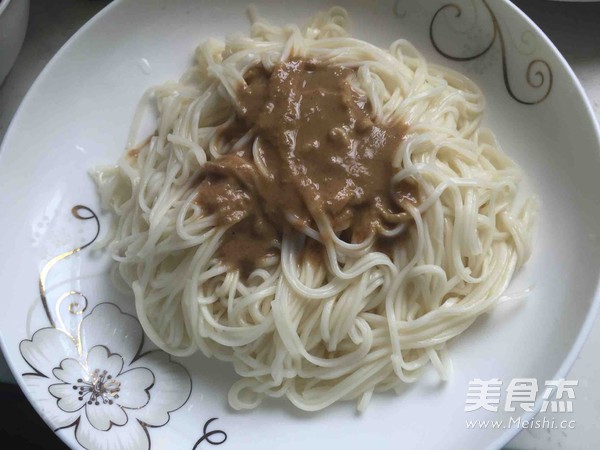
x=77 y=115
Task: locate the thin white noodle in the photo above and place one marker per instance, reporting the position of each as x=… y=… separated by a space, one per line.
x=364 y=322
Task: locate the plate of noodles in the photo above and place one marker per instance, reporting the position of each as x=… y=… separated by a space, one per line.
x=294 y=224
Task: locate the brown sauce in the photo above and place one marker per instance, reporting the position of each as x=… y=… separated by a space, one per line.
x=322 y=158
x=134 y=152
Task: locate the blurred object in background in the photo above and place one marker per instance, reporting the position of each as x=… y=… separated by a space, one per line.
x=13 y=25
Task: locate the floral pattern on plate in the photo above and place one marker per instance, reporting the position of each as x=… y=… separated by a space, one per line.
x=110 y=392
x=90 y=371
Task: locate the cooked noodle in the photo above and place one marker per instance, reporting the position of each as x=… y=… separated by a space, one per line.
x=363 y=321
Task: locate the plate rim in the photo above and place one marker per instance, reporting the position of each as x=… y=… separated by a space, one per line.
x=593 y=310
